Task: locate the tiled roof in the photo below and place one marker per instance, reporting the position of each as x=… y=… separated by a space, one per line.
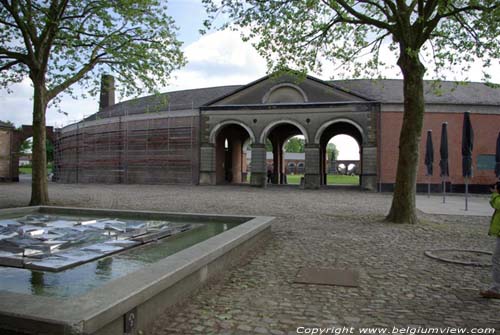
x=445 y=92
x=382 y=90
x=170 y=101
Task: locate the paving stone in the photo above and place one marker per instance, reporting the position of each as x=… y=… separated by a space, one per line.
x=327 y=228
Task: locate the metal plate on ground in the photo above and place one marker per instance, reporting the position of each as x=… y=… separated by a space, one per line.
x=334 y=277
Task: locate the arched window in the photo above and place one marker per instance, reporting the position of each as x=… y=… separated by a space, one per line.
x=300 y=168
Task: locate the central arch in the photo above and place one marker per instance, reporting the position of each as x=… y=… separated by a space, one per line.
x=278 y=133
x=269 y=127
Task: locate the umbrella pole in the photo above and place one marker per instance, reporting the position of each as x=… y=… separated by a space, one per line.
x=429 y=187
x=466 y=193
x=444 y=189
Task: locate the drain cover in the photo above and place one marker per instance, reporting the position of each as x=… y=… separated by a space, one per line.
x=334 y=277
x=463 y=257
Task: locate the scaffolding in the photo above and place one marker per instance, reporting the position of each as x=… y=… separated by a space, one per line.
x=126 y=146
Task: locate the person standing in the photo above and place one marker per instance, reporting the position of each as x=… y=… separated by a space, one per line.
x=494 y=290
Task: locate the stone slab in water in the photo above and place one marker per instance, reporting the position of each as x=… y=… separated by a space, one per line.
x=11 y=259
x=63 y=260
x=103 y=248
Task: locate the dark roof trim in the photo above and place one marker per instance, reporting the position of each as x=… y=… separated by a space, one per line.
x=269 y=75
x=287 y=106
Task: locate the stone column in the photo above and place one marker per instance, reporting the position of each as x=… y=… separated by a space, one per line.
x=369 y=168
x=312 y=173
x=258 y=170
x=207 y=164
x=236 y=158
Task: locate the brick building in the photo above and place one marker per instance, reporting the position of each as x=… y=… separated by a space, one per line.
x=197 y=136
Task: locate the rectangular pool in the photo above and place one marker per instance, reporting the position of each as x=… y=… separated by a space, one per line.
x=98 y=296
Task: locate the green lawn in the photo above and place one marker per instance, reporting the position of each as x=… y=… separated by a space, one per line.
x=28 y=169
x=331 y=179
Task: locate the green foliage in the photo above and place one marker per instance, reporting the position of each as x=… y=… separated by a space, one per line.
x=331 y=179
x=25 y=147
x=295 y=144
x=9 y=124
x=269 y=146
x=72 y=41
x=49 y=148
x=332 y=151
x=351 y=34
x=57 y=43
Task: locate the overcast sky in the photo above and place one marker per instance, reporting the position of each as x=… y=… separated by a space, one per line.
x=218 y=58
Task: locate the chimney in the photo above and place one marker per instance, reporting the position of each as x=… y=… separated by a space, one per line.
x=107 y=91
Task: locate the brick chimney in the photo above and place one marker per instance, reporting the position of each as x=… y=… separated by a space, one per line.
x=107 y=91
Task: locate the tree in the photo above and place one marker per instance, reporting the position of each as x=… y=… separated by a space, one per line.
x=332 y=151
x=25 y=147
x=57 y=43
x=303 y=34
x=295 y=144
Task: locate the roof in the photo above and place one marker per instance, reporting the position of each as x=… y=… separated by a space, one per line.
x=169 y=101
x=381 y=90
x=444 y=92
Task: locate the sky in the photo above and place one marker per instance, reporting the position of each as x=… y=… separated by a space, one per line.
x=215 y=59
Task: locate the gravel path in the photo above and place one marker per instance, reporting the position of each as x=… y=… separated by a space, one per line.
x=342 y=228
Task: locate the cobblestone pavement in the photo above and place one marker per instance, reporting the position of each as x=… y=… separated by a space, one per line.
x=399 y=285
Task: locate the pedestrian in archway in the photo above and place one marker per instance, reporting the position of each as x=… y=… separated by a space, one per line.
x=269 y=175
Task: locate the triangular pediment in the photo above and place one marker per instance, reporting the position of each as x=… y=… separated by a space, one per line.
x=287 y=89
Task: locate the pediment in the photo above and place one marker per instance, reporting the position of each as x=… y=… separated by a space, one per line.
x=286 y=89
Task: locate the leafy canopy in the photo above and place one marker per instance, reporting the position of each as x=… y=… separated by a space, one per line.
x=74 y=40
x=351 y=33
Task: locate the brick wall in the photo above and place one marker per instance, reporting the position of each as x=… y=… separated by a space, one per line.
x=5 y=148
x=146 y=151
x=486 y=128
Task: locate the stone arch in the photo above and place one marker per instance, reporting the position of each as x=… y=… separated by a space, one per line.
x=327 y=124
x=230 y=163
x=275 y=88
x=273 y=124
x=330 y=129
x=219 y=126
x=19 y=136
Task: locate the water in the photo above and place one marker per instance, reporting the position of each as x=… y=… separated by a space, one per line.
x=80 y=279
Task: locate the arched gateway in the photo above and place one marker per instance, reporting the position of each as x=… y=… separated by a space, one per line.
x=218 y=135
x=276 y=109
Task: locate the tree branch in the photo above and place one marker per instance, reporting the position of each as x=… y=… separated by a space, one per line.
x=359 y=16
x=15 y=55
x=52 y=93
x=24 y=31
x=9 y=65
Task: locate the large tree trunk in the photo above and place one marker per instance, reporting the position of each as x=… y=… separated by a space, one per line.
x=39 y=187
x=403 y=200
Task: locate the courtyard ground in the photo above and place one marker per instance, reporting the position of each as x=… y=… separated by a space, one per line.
x=330 y=228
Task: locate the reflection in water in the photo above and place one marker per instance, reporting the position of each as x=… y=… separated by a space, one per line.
x=37 y=283
x=80 y=279
x=103 y=266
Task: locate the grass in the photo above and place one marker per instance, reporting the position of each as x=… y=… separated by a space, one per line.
x=29 y=169
x=331 y=179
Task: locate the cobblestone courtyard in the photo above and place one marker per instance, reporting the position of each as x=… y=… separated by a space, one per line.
x=399 y=285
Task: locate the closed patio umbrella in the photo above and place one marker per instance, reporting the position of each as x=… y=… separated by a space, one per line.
x=443 y=163
x=467 y=146
x=429 y=160
x=497 y=157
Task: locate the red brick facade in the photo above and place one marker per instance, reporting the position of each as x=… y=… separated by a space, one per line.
x=486 y=127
